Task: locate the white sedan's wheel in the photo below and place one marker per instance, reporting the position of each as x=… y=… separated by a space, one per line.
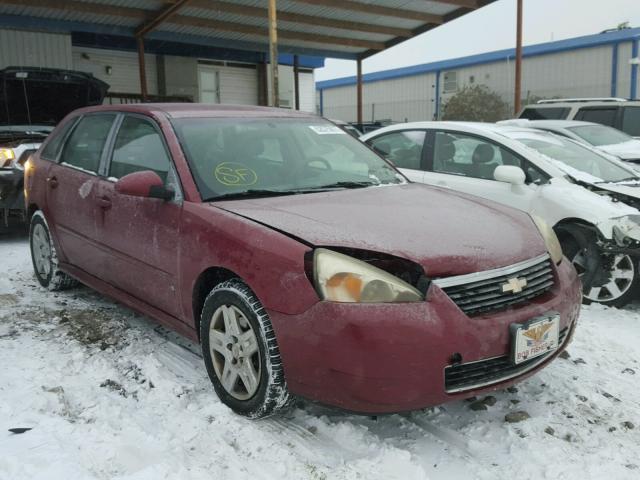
x=621 y=271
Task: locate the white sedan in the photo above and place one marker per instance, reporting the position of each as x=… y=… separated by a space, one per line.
x=587 y=198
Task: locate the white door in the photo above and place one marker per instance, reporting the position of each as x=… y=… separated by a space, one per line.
x=238 y=85
x=466 y=163
x=209 y=84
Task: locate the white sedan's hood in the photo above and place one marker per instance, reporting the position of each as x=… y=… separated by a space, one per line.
x=626 y=150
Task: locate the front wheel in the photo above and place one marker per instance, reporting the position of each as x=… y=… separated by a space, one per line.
x=241 y=352
x=621 y=277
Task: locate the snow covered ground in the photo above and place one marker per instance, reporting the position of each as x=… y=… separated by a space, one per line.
x=109 y=394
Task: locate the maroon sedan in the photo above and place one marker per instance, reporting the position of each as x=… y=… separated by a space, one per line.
x=302 y=261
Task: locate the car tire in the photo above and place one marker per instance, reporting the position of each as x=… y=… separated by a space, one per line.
x=628 y=287
x=241 y=353
x=44 y=256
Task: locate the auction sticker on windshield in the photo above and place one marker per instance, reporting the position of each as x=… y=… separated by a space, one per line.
x=327 y=130
x=534 y=338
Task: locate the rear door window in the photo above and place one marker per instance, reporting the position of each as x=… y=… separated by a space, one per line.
x=545 y=113
x=84 y=147
x=631 y=121
x=603 y=116
x=52 y=149
x=404 y=149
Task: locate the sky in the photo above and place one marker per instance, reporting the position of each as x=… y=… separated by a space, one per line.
x=493 y=28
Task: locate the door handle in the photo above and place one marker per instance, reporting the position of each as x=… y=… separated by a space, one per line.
x=53 y=182
x=104 y=202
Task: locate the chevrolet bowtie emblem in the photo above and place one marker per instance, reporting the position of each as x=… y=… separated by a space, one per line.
x=514 y=285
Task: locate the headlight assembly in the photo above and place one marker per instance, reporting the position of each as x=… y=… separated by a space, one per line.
x=550 y=239
x=6 y=156
x=340 y=278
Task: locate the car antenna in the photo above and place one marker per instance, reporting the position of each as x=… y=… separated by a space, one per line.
x=26 y=99
x=6 y=103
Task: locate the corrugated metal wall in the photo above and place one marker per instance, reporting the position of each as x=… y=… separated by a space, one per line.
x=35 y=49
x=125 y=75
x=399 y=100
x=624 y=70
x=577 y=73
x=580 y=73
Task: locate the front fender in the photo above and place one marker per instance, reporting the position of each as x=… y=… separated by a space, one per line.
x=270 y=262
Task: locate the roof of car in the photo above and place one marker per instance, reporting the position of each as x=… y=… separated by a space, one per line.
x=521 y=122
x=185 y=110
x=471 y=127
x=492 y=127
x=580 y=103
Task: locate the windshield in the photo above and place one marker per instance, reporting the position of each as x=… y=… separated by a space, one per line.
x=597 y=135
x=238 y=157
x=571 y=154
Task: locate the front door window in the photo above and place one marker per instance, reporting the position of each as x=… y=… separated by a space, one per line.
x=470 y=156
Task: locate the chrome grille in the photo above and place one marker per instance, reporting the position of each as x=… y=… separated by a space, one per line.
x=467 y=376
x=483 y=292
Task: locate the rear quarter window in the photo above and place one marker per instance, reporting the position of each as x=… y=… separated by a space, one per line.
x=545 y=113
x=631 y=121
x=603 y=116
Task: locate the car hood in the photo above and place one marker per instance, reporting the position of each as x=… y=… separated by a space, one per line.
x=629 y=150
x=44 y=96
x=447 y=233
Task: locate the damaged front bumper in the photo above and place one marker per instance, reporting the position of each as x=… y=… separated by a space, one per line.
x=11 y=191
x=598 y=244
x=625 y=234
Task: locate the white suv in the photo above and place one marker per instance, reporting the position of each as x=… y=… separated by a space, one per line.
x=614 y=112
x=590 y=200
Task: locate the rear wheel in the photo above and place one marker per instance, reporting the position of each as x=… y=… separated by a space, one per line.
x=620 y=271
x=241 y=352
x=44 y=256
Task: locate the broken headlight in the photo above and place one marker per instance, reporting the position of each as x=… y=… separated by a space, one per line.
x=341 y=278
x=626 y=230
x=7 y=155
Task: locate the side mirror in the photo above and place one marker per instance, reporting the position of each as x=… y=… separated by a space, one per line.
x=509 y=174
x=145 y=184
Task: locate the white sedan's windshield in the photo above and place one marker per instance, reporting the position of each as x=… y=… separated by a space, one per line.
x=242 y=156
x=574 y=156
x=598 y=135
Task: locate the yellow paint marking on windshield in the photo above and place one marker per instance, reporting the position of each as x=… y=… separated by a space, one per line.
x=235 y=175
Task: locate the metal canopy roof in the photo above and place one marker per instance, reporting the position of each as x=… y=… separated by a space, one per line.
x=331 y=28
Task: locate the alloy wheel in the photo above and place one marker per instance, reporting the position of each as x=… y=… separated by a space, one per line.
x=621 y=274
x=234 y=351
x=41 y=249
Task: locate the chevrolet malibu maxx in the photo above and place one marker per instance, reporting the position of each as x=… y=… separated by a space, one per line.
x=303 y=263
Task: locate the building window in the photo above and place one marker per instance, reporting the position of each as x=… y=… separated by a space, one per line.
x=450 y=82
